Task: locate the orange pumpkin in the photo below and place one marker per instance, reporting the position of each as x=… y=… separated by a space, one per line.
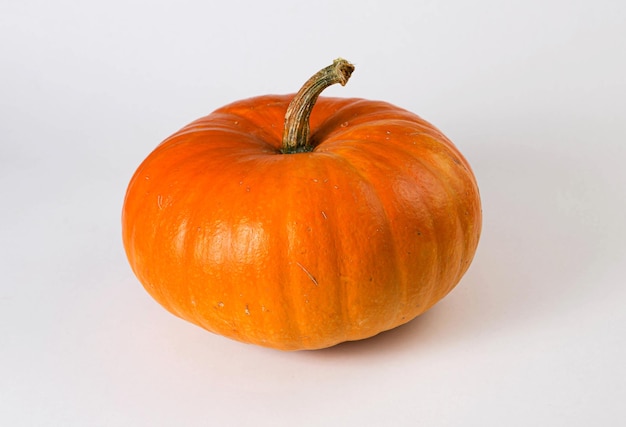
x=279 y=224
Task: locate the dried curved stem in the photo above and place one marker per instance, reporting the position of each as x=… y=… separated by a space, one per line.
x=296 y=133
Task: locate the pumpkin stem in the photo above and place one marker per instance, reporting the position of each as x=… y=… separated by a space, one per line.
x=296 y=133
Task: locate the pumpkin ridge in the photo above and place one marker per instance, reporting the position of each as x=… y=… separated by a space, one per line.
x=451 y=194
x=224 y=122
x=264 y=114
x=451 y=155
x=390 y=141
x=341 y=293
x=401 y=281
x=350 y=115
x=381 y=149
x=294 y=320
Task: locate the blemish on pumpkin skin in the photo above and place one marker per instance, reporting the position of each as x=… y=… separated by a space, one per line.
x=313 y=279
x=324 y=215
x=247 y=310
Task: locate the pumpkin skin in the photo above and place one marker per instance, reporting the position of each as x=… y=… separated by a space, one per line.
x=302 y=251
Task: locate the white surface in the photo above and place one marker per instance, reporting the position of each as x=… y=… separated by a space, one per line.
x=532 y=92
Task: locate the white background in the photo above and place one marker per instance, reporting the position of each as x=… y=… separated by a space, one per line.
x=532 y=92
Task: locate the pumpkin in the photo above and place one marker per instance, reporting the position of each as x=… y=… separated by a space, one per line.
x=299 y=222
